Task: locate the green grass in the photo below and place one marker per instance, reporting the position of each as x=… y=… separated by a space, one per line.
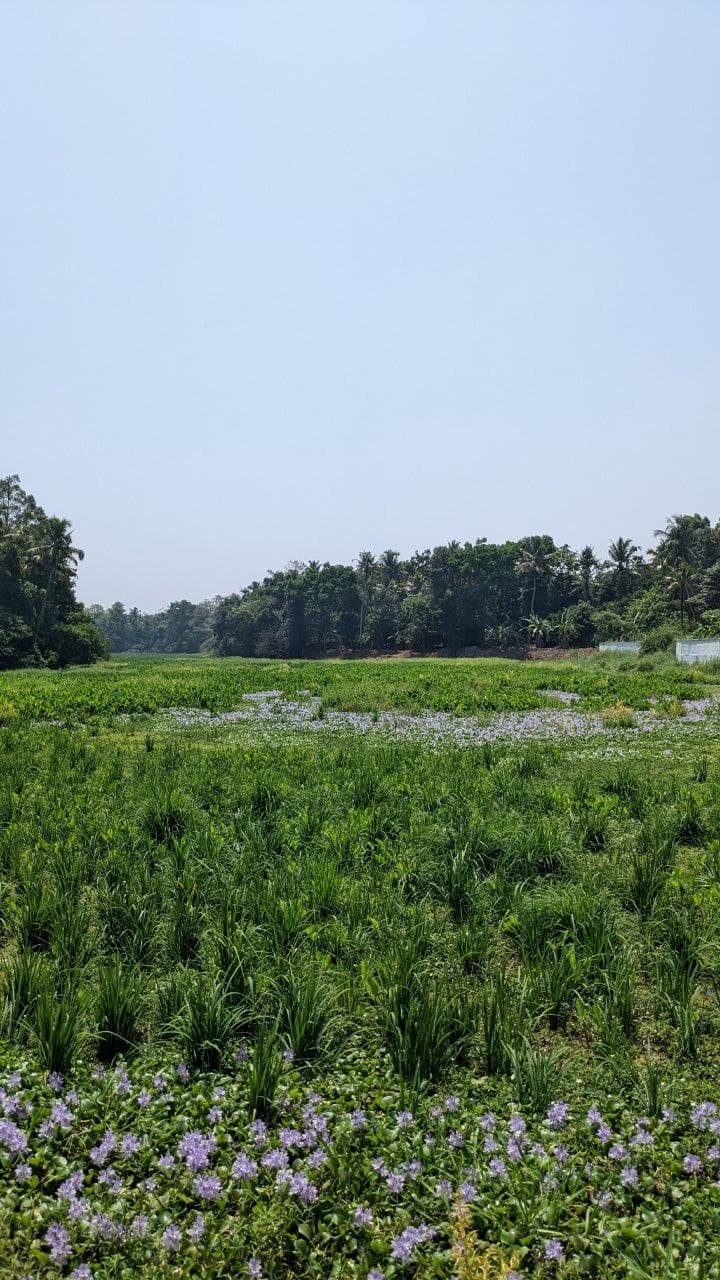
x=459 y=686
x=165 y=880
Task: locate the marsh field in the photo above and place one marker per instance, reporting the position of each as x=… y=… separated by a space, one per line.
x=360 y=969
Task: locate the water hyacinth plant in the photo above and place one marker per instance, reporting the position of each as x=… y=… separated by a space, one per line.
x=359 y=998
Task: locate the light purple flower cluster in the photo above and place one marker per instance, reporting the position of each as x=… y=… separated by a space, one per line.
x=404 y=1245
x=196 y=1148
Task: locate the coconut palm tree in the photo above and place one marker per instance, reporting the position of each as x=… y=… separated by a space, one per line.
x=587 y=568
x=365 y=569
x=535 y=562
x=390 y=565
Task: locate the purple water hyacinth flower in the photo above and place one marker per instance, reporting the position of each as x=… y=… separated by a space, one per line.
x=82 y=1272
x=215 y=1115
x=489 y=1144
x=452 y=1102
x=537 y=1149
x=144 y=1099
x=122 y=1083
x=78 y=1210
x=254 y=1268
x=258 y=1129
x=468 y=1192
x=443 y=1189
x=404 y=1119
x=139 y=1226
x=317 y=1159
x=47 y=1129
x=362 y=1217
x=513 y=1150
x=629 y=1176
x=497 y=1168
x=207 y=1186
x=276 y=1158
x=61 y=1116
x=713 y=1154
x=14 y=1080
x=290 y=1138
x=668 y=1115
x=617 y=1151
x=642 y=1139
x=377 y=1164
x=455 y=1140
x=376 y=1274
x=196 y=1148
x=604 y=1200
x=109 y=1178
x=403 y=1245
x=23 y=1172
x=561 y=1154
x=197 y=1230
x=557 y=1114
x=436 y=1113
x=58 y=1242
x=413 y=1168
x=289 y=1055
x=219 y=1093
x=171 y=1238
x=160 y=1083
x=183 y=1074
x=14 y=1140
x=101 y=1154
x=702 y=1114
x=487 y=1123
x=553 y=1251
x=604 y=1134
x=395 y=1182
x=104 y=1226
x=166 y=1161
x=692 y=1163
x=301 y=1186
x=517 y=1127
x=244 y=1169
x=129 y=1145
x=358 y=1119
x=242 y=1055
x=150 y=1184
x=55 y=1081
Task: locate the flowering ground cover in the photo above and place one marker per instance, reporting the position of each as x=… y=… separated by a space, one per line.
x=285 y=1002
x=159 y=1169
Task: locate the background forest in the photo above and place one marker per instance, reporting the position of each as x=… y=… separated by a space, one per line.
x=457 y=596
x=453 y=598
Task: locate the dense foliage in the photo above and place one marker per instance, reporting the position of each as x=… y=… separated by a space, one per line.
x=41 y=622
x=181 y=628
x=438 y=1012
x=453 y=598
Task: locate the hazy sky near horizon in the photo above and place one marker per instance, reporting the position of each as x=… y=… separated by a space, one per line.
x=286 y=280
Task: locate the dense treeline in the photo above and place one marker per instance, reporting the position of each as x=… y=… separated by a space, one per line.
x=454 y=597
x=181 y=628
x=41 y=622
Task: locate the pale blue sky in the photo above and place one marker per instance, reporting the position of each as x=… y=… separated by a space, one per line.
x=287 y=280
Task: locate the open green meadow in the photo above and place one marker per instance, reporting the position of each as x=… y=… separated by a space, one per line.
x=360 y=969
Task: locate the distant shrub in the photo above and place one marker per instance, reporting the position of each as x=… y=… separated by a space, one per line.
x=618 y=716
x=660 y=639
